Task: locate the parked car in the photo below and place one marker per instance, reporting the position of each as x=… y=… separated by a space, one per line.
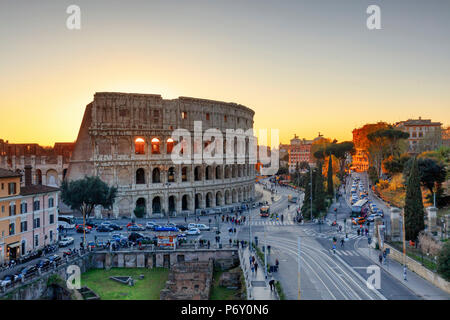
x=80 y=229
x=150 y=224
x=28 y=270
x=371 y=217
x=165 y=228
x=182 y=227
x=54 y=258
x=193 y=232
x=66 y=241
x=103 y=228
x=7 y=280
x=43 y=263
x=91 y=224
x=115 y=226
x=134 y=236
x=136 y=227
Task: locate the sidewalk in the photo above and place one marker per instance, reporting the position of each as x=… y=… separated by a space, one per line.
x=414 y=282
x=259 y=287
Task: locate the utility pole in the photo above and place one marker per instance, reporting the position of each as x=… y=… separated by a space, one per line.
x=311 y=192
x=298 y=272
x=404 y=241
x=265 y=253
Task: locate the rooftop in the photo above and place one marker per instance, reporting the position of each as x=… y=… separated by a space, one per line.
x=8 y=173
x=36 y=189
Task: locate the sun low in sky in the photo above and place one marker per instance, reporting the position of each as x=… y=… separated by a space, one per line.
x=302 y=66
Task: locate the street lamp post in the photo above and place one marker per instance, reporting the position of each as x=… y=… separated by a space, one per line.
x=311 y=192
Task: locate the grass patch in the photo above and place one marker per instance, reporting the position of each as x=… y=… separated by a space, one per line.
x=222 y=293
x=146 y=289
x=280 y=290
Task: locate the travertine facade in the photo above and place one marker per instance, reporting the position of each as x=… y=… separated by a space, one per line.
x=126 y=140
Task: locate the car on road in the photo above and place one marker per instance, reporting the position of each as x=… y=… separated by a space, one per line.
x=193 y=232
x=54 y=258
x=359 y=220
x=136 y=227
x=80 y=229
x=182 y=227
x=165 y=228
x=43 y=263
x=66 y=241
x=371 y=217
x=150 y=225
x=28 y=270
x=199 y=226
x=115 y=226
x=103 y=228
x=91 y=224
x=81 y=226
x=91 y=244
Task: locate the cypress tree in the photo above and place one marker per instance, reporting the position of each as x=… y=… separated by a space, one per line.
x=414 y=217
x=306 y=206
x=319 y=192
x=330 y=187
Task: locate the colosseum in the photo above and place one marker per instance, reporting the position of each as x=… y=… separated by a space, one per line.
x=127 y=140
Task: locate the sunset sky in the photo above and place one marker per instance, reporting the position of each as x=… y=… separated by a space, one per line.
x=302 y=66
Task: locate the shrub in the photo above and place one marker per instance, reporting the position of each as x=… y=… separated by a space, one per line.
x=427 y=244
x=139 y=212
x=443 y=263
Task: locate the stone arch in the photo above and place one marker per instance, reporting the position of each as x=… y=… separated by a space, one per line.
x=156 y=175
x=208 y=173
x=240 y=195
x=172 y=204
x=218 y=172
x=156 y=204
x=124 y=207
x=198 y=173
x=234 y=196
x=185 y=202
x=219 y=198
x=38 y=175
x=156 y=145
x=52 y=178
x=227 y=172
x=184 y=174
x=198 y=200
x=141 y=203
x=171 y=174
x=227 y=197
x=139 y=145
x=233 y=171
x=140 y=176
x=209 y=200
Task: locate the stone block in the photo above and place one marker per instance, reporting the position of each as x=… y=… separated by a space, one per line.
x=140 y=261
x=120 y=261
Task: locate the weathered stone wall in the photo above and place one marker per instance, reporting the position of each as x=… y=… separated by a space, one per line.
x=106 y=147
x=189 y=281
x=416 y=267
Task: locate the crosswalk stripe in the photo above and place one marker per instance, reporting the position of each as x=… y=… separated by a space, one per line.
x=344 y=253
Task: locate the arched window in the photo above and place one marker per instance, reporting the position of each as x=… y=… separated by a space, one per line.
x=184 y=176
x=208 y=174
x=155 y=146
x=139 y=146
x=218 y=172
x=156 y=178
x=197 y=174
x=169 y=145
x=140 y=176
x=171 y=174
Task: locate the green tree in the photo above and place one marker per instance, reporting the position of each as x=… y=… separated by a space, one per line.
x=330 y=187
x=432 y=174
x=443 y=262
x=393 y=165
x=87 y=193
x=139 y=211
x=414 y=217
x=373 y=175
x=319 y=191
x=306 y=207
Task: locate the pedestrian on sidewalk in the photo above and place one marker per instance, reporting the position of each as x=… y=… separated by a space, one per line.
x=404 y=273
x=342 y=243
x=252 y=266
x=185 y=219
x=380 y=258
x=272 y=284
x=256 y=267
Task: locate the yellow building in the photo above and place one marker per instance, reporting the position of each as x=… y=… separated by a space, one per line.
x=9 y=204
